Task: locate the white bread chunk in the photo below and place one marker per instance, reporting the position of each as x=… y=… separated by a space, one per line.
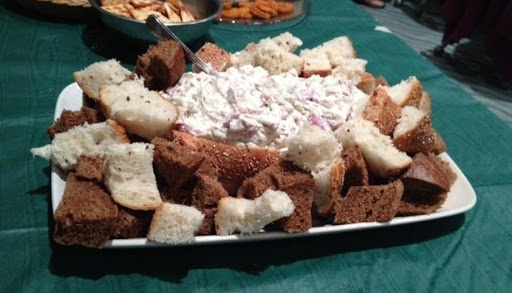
x=129 y=176
x=328 y=182
x=89 y=139
x=141 y=111
x=244 y=57
x=315 y=63
x=249 y=216
x=287 y=42
x=407 y=92
x=350 y=69
x=414 y=132
x=99 y=74
x=313 y=148
x=337 y=50
x=383 y=158
x=275 y=59
x=174 y=224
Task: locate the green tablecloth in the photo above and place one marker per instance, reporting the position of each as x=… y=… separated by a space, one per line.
x=470 y=252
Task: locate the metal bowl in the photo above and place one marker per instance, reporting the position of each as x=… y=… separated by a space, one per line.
x=205 y=11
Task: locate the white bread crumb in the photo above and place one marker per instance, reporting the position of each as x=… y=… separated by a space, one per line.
x=249 y=216
x=175 y=224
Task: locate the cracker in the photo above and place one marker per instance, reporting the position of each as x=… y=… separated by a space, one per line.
x=141 y=3
x=256 y=11
x=143 y=14
x=113 y=2
x=232 y=13
x=171 y=14
x=118 y=9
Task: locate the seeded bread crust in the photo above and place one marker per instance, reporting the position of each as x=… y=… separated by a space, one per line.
x=420 y=139
x=231 y=163
x=382 y=111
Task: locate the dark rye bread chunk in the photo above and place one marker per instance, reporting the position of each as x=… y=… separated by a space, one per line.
x=69 y=119
x=426 y=186
x=205 y=197
x=176 y=163
x=230 y=164
x=132 y=224
x=90 y=167
x=356 y=171
x=86 y=216
x=162 y=65
x=182 y=195
x=376 y=203
x=382 y=111
x=297 y=183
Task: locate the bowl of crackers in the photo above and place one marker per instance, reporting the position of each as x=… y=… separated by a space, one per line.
x=188 y=19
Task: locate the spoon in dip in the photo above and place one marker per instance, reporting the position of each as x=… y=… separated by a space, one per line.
x=162 y=32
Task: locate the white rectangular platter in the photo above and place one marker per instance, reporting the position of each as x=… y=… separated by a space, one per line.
x=461 y=198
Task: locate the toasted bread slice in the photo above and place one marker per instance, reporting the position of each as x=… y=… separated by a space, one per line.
x=99 y=74
x=129 y=176
x=407 y=92
x=383 y=158
x=249 y=216
x=90 y=139
x=174 y=224
x=414 y=133
x=143 y=112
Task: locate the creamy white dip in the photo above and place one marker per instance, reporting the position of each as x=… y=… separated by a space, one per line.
x=247 y=106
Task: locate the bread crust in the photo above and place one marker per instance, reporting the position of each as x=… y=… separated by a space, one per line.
x=234 y=164
x=420 y=139
x=382 y=111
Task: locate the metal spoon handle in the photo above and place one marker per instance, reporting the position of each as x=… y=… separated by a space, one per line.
x=162 y=32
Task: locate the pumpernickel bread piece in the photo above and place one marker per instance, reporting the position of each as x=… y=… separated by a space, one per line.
x=205 y=198
x=382 y=111
x=162 y=65
x=132 y=224
x=297 y=183
x=86 y=215
x=90 y=167
x=69 y=119
x=232 y=164
x=356 y=171
x=176 y=163
x=376 y=203
x=426 y=185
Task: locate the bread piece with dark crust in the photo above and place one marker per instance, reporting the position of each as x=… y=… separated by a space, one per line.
x=232 y=164
x=367 y=83
x=426 y=185
x=356 y=171
x=425 y=176
x=176 y=163
x=375 y=203
x=90 y=167
x=86 y=215
x=297 y=183
x=382 y=111
x=212 y=54
x=69 y=119
x=205 y=198
x=162 y=65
